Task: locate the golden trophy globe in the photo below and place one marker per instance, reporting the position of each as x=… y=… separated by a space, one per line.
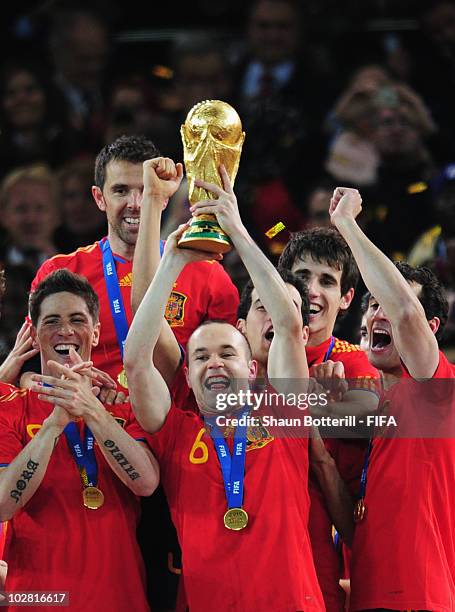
x=211 y=135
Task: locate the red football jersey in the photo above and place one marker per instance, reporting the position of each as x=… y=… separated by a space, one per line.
x=5 y=389
x=202 y=291
x=267 y=566
x=403 y=554
x=349 y=457
x=55 y=543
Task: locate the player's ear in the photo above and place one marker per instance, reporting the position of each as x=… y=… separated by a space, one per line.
x=252 y=369
x=34 y=336
x=306 y=333
x=346 y=299
x=99 y=198
x=241 y=326
x=434 y=324
x=187 y=376
x=96 y=334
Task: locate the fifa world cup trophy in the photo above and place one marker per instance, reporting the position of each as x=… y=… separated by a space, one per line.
x=212 y=135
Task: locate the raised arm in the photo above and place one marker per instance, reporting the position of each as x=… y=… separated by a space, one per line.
x=161 y=180
x=149 y=393
x=412 y=334
x=287 y=353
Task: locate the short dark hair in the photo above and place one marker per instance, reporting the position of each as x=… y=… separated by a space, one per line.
x=58 y=282
x=133 y=149
x=432 y=295
x=325 y=245
x=288 y=277
x=365 y=302
x=222 y=322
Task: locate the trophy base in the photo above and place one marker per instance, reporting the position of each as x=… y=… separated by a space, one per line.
x=208 y=242
x=204 y=234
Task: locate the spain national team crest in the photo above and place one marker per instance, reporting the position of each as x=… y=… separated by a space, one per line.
x=257 y=437
x=175 y=309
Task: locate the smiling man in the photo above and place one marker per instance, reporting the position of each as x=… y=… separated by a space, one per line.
x=242 y=521
x=65 y=495
x=323 y=259
x=204 y=290
x=403 y=550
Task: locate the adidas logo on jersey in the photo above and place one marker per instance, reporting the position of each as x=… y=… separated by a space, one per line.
x=127 y=280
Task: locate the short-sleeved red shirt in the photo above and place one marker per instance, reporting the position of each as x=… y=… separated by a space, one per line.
x=55 y=543
x=266 y=567
x=5 y=390
x=349 y=457
x=202 y=291
x=403 y=554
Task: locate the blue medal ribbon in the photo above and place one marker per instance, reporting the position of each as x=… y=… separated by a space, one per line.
x=115 y=297
x=329 y=350
x=114 y=294
x=232 y=467
x=83 y=453
x=335 y=534
x=363 y=478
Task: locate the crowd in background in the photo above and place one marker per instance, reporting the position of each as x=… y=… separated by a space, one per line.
x=320 y=108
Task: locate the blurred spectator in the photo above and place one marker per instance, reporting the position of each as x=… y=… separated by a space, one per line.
x=277 y=63
x=130 y=109
x=402 y=103
x=273 y=60
x=434 y=70
x=33 y=124
x=317 y=204
x=436 y=246
x=399 y=206
x=200 y=72
x=82 y=222
x=431 y=246
x=29 y=216
x=352 y=156
x=365 y=80
x=80 y=45
x=281 y=101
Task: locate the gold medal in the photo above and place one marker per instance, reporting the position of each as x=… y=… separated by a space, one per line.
x=235 y=519
x=359 y=510
x=122 y=379
x=93 y=498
